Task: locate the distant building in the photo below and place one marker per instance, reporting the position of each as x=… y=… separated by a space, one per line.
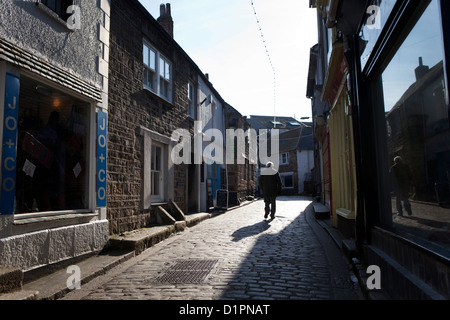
x=295 y=154
x=270 y=122
x=296 y=160
x=242 y=178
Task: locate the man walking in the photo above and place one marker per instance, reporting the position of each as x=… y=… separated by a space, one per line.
x=401 y=175
x=270 y=183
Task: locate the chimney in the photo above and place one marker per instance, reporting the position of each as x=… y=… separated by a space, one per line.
x=421 y=70
x=165 y=18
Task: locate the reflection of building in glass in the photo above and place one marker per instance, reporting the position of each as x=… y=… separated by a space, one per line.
x=418 y=131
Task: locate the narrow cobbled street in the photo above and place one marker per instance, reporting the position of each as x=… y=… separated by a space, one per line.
x=235 y=255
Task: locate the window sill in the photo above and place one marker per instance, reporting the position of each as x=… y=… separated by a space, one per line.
x=345 y=213
x=60 y=217
x=36 y=223
x=53 y=15
x=155 y=204
x=162 y=99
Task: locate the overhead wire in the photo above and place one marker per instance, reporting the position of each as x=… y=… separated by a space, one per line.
x=269 y=58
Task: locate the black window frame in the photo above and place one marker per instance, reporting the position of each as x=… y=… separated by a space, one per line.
x=59 y=7
x=400 y=23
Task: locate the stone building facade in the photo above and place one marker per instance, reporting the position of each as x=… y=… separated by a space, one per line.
x=242 y=180
x=151 y=78
x=53 y=106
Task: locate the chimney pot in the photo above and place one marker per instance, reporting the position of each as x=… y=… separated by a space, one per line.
x=421 y=70
x=165 y=18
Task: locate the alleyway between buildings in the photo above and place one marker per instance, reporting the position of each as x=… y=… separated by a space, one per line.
x=235 y=255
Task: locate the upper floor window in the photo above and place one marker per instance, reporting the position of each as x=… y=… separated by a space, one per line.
x=284 y=158
x=149 y=68
x=59 y=7
x=157 y=73
x=164 y=74
x=191 y=100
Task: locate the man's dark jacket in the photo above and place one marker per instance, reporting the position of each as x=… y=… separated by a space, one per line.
x=270 y=184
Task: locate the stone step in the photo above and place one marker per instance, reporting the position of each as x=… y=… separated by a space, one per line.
x=10 y=279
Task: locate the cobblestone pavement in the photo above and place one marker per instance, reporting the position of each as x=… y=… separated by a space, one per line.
x=235 y=255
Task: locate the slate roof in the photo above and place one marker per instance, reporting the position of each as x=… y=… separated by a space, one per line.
x=266 y=122
x=290 y=140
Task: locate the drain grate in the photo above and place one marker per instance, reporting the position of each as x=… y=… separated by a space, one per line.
x=187 y=271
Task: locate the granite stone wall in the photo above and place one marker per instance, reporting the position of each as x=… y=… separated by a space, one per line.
x=131 y=107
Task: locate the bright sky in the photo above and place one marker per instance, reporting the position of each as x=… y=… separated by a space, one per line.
x=222 y=37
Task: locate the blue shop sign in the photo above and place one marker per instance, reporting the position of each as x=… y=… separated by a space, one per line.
x=9 y=145
x=102 y=121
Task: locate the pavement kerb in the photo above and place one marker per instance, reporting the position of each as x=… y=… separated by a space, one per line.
x=358 y=269
x=121 y=248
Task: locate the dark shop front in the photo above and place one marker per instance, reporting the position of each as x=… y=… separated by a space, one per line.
x=397 y=54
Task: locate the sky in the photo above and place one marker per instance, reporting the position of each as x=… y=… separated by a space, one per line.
x=421 y=42
x=223 y=38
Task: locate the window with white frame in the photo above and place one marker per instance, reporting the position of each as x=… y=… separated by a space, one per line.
x=191 y=100
x=149 y=68
x=164 y=76
x=287 y=180
x=284 y=158
x=157 y=73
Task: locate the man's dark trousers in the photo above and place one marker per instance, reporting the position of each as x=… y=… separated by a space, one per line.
x=270 y=202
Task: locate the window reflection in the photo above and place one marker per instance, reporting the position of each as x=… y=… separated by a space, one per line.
x=376 y=16
x=418 y=135
x=52 y=151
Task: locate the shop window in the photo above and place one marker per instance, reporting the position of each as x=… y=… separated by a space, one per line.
x=52 y=150
x=417 y=137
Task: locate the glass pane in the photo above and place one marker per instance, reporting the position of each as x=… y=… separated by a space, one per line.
x=153 y=156
x=376 y=16
x=167 y=71
x=161 y=67
x=52 y=164
x=152 y=64
x=164 y=88
x=157 y=158
x=155 y=183
x=288 y=181
x=190 y=92
x=146 y=55
x=418 y=135
x=147 y=77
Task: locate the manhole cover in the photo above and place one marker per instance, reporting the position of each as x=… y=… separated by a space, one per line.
x=187 y=271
